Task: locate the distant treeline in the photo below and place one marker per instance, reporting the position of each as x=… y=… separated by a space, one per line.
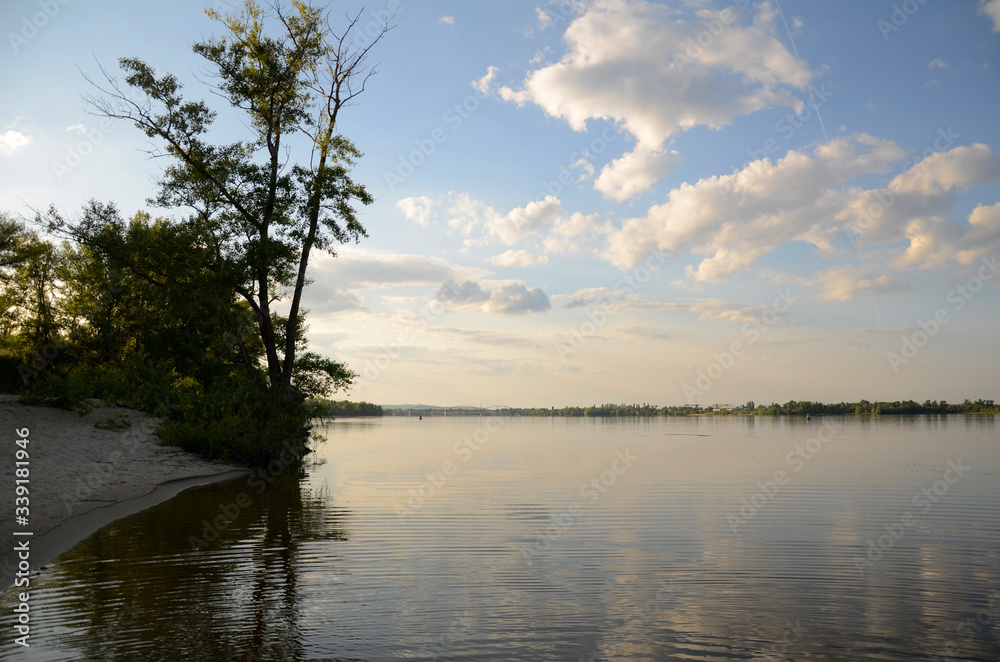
x=791 y=408
x=344 y=408
x=591 y=411
x=865 y=407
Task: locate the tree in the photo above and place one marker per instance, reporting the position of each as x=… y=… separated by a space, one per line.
x=263 y=214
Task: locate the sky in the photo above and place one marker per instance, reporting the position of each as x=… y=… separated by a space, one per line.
x=588 y=201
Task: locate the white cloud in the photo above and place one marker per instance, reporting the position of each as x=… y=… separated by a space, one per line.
x=516 y=299
x=12 y=142
x=628 y=61
x=80 y=129
x=447 y=20
x=733 y=220
x=359 y=269
x=991 y=8
x=513 y=258
x=933 y=242
x=635 y=173
x=468 y=216
x=331 y=300
x=544 y=20
x=483 y=84
x=842 y=283
x=717 y=310
x=639 y=64
x=569 y=232
x=944 y=172
x=583 y=163
x=483 y=225
x=508 y=299
x=420 y=210
x=522 y=221
x=540 y=55
x=937 y=63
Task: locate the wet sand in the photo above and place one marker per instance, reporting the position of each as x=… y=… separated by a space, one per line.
x=82 y=477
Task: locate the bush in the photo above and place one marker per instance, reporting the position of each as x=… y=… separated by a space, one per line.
x=238 y=422
x=236 y=419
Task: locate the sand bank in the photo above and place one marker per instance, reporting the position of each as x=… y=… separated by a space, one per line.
x=85 y=472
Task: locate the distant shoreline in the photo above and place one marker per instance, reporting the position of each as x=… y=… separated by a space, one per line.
x=791 y=408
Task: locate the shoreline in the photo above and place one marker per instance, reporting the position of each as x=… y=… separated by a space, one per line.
x=86 y=472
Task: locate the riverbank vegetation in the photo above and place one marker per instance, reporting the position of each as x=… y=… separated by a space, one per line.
x=791 y=408
x=345 y=409
x=199 y=318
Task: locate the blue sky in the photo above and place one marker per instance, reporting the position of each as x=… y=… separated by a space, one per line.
x=608 y=200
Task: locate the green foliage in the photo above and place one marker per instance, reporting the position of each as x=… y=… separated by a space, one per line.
x=262 y=211
x=345 y=408
x=791 y=408
x=238 y=422
x=878 y=408
x=177 y=317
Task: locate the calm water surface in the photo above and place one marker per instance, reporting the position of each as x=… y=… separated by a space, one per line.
x=542 y=539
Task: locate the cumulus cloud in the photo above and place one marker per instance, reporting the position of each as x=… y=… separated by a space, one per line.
x=332 y=300
x=733 y=220
x=507 y=299
x=359 y=269
x=544 y=20
x=514 y=258
x=522 y=221
x=991 y=9
x=420 y=210
x=933 y=242
x=447 y=20
x=846 y=282
x=657 y=70
x=635 y=173
x=516 y=299
x=569 y=232
x=465 y=214
x=464 y=293
x=12 y=142
x=483 y=84
x=483 y=224
x=945 y=172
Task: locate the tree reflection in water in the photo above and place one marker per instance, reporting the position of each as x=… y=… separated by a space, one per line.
x=137 y=588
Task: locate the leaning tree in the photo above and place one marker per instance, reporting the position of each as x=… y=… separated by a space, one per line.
x=267 y=203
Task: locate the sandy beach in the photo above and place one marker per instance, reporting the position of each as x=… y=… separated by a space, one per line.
x=87 y=471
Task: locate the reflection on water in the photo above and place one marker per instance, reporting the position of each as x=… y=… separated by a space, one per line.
x=541 y=539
